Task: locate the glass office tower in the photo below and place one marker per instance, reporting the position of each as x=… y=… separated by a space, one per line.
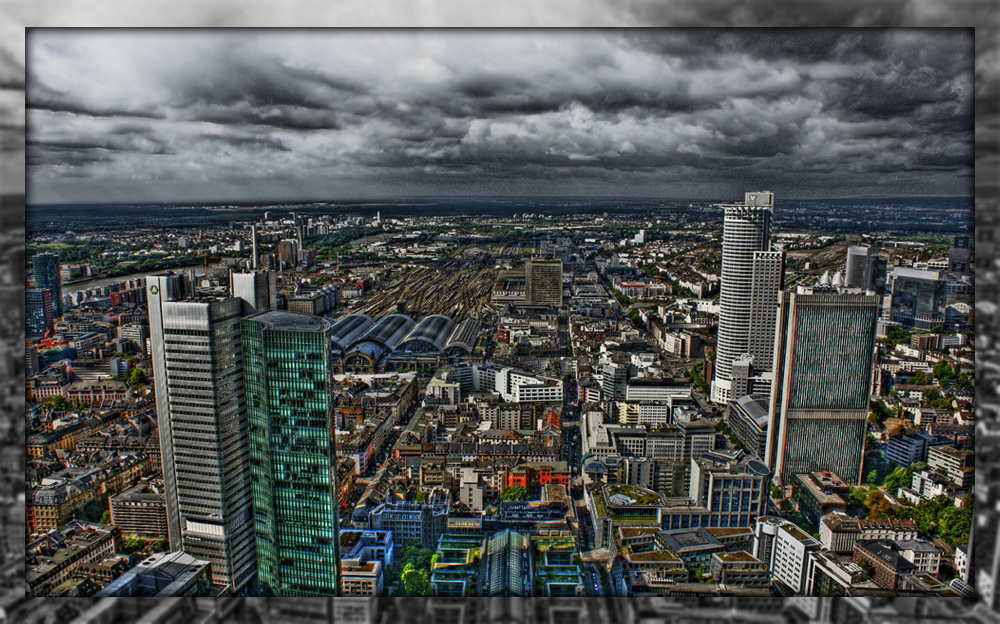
x=288 y=376
x=46 y=272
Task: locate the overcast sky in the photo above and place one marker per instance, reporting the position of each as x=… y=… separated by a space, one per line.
x=185 y=116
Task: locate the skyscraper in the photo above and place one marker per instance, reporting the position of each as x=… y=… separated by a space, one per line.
x=288 y=377
x=38 y=312
x=865 y=269
x=198 y=372
x=46 y=271
x=750 y=280
x=258 y=289
x=919 y=298
x=543 y=282
x=824 y=354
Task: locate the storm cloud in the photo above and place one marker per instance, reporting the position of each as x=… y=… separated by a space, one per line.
x=227 y=115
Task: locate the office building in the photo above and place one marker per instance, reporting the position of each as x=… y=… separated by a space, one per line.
x=960 y=257
x=197 y=362
x=411 y=520
x=39 y=315
x=46 y=273
x=506 y=568
x=257 y=288
x=748 y=421
x=141 y=511
x=751 y=277
x=289 y=389
x=864 y=269
x=785 y=548
x=919 y=298
x=164 y=575
x=543 y=282
x=823 y=368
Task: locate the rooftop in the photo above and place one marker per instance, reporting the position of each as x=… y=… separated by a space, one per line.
x=283 y=320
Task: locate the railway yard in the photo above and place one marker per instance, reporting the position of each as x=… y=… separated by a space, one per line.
x=454 y=288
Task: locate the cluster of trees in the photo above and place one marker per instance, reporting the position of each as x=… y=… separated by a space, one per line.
x=694 y=374
x=515 y=493
x=59 y=403
x=939 y=517
x=335 y=244
x=414 y=577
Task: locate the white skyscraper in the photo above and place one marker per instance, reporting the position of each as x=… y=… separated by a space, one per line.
x=751 y=278
x=198 y=372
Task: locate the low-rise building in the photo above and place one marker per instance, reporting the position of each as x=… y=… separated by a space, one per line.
x=958 y=465
x=366 y=579
x=164 y=575
x=740 y=568
x=885 y=563
x=141 y=511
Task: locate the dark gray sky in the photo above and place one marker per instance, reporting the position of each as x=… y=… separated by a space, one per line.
x=181 y=116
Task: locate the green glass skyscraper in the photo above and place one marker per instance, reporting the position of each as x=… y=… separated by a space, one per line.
x=288 y=376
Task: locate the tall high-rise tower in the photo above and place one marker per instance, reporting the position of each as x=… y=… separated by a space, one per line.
x=288 y=376
x=46 y=272
x=197 y=368
x=750 y=280
x=861 y=269
x=823 y=358
x=543 y=282
x=258 y=289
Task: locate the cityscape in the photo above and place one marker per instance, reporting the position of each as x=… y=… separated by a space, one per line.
x=704 y=400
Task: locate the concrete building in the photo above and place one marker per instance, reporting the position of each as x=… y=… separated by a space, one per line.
x=258 y=289
x=823 y=365
x=411 y=520
x=543 y=282
x=862 y=267
x=958 y=465
x=750 y=280
x=748 y=418
x=141 y=511
x=785 y=548
x=198 y=371
x=164 y=575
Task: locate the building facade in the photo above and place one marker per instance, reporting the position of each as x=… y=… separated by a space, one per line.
x=288 y=378
x=823 y=362
x=746 y=235
x=198 y=372
x=46 y=273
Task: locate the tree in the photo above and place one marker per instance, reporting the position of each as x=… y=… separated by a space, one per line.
x=878 y=504
x=900 y=477
x=421 y=497
x=415 y=582
x=136 y=378
x=163 y=545
x=515 y=493
x=872 y=478
x=858 y=497
x=133 y=545
x=58 y=403
x=106 y=517
x=943 y=372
